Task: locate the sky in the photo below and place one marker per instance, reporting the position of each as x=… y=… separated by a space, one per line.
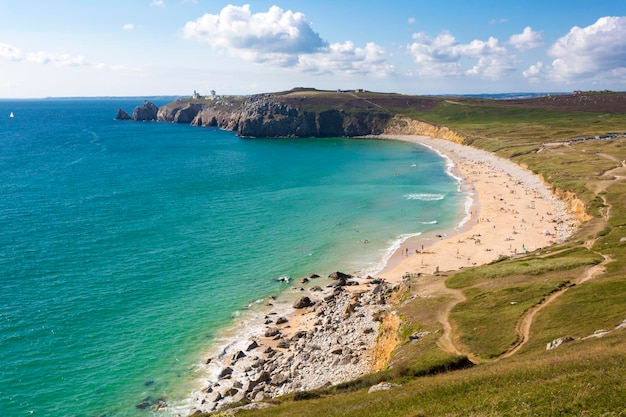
x=69 y=48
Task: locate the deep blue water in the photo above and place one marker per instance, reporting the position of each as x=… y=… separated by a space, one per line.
x=125 y=247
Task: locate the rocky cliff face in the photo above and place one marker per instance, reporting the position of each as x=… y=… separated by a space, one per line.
x=263 y=116
x=405 y=126
x=185 y=113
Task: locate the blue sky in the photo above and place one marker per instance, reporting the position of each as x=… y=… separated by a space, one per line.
x=171 y=47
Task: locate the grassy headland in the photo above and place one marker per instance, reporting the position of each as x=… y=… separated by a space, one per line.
x=506 y=312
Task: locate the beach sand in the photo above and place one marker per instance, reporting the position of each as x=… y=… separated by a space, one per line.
x=512 y=212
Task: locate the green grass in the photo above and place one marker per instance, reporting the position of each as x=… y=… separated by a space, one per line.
x=486 y=321
x=519 y=125
x=548 y=384
x=561 y=261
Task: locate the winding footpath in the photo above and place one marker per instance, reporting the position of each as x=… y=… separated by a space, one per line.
x=525 y=322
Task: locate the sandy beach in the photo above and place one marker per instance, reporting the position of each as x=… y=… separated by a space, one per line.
x=512 y=212
x=329 y=334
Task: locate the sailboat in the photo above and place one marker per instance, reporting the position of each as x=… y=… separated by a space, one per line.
x=11 y=115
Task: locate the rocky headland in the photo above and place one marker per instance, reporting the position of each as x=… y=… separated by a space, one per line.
x=289 y=114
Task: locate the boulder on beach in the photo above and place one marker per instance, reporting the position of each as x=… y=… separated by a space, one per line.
x=302 y=302
x=226 y=372
x=272 y=331
x=340 y=282
x=339 y=275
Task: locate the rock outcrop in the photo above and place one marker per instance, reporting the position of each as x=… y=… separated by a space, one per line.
x=146 y=112
x=122 y=115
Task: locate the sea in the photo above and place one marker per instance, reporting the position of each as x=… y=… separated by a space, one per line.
x=127 y=248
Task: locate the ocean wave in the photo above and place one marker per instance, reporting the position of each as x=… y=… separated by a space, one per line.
x=469 y=202
x=425 y=197
x=430 y=222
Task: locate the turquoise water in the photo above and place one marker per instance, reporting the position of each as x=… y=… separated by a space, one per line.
x=125 y=247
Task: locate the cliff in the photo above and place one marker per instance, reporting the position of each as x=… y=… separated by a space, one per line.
x=272 y=115
x=405 y=126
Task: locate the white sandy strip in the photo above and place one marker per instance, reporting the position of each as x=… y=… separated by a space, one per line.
x=513 y=212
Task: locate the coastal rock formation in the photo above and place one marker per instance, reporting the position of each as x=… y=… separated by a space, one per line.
x=333 y=344
x=265 y=115
x=185 y=113
x=261 y=116
x=122 y=115
x=146 y=112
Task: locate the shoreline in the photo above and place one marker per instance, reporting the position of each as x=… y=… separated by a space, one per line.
x=280 y=348
x=513 y=212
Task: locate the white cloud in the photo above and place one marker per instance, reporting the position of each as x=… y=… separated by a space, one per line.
x=275 y=36
x=596 y=52
x=348 y=59
x=63 y=60
x=445 y=56
x=535 y=72
x=411 y=21
x=128 y=26
x=526 y=40
x=10 y=52
x=284 y=39
x=159 y=3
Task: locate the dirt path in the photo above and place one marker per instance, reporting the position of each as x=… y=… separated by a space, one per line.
x=436 y=287
x=523 y=325
x=446 y=342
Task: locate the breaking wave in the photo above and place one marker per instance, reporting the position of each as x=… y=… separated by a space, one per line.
x=425 y=197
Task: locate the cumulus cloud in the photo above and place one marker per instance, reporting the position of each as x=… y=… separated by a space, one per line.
x=526 y=40
x=284 y=39
x=348 y=59
x=275 y=36
x=596 y=52
x=445 y=56
x=535 y=72
x=128 y=26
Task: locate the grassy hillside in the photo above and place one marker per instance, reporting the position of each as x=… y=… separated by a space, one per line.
x=502 y=315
